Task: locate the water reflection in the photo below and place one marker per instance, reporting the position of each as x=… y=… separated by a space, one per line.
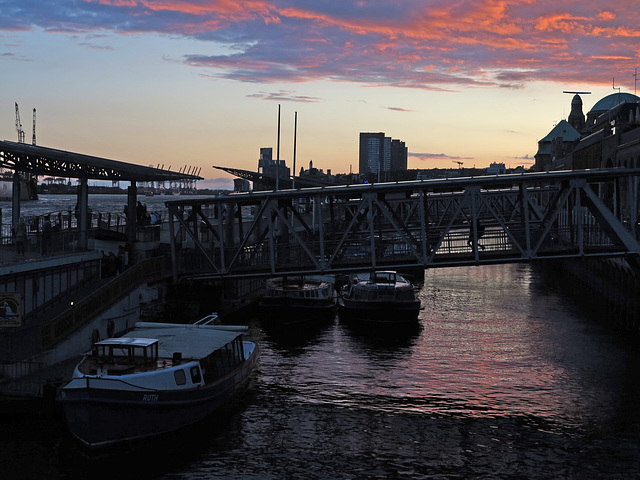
x=293 y=340
x=383 y=339
x=503 y=379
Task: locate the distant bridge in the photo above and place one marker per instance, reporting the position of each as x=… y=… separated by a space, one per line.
x=424 y=224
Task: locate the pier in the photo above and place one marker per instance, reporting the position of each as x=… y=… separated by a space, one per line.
x=69 y=277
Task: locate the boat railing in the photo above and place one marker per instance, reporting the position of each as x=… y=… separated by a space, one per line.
x=94 y=382
x=209 y=319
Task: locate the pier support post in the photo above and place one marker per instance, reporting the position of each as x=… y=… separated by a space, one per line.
x=132 y=195
x=15 y=200
x=82 y=212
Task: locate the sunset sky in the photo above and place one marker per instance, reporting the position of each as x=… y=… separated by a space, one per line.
x=198 y=82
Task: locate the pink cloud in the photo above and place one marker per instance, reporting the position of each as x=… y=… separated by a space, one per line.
x=411 y=44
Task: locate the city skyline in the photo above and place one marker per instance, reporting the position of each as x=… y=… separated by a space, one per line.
x=198 y=82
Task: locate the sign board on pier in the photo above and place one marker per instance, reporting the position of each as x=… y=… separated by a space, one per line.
x=10 y=310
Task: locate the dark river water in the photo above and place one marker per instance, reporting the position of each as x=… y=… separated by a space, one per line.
x=505 y=378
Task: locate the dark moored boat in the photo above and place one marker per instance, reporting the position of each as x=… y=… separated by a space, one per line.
x=383 y=297
x=295 y=299
x=155 y=379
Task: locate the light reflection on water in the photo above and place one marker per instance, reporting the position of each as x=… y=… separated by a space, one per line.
x=486 y=347
x=504 y=378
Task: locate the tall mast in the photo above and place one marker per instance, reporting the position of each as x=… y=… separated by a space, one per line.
x=295 y=132
x=278 y=152
x=33 y=138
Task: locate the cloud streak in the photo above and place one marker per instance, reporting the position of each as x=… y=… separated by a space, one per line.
x=424 y=44
x=284 y=96
x=435 y=156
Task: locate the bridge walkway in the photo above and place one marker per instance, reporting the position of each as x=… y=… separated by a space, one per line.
x=424 y=224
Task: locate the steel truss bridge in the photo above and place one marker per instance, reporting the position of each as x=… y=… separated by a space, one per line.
x=422 y=224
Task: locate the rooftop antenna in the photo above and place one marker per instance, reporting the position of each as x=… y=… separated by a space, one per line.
x=616 y=88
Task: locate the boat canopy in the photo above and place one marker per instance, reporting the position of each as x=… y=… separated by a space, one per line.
x=193 y=341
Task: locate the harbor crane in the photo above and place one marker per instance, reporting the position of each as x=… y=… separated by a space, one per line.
x=459 y=163
x=19 y=125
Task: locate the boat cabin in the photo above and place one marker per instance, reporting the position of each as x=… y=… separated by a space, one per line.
x=123 y=354
x=379 y=286
x=383 y=277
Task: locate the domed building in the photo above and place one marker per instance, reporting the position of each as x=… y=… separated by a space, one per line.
x=608 y=103
x=609 y=137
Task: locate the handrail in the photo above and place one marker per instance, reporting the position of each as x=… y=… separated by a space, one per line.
x=88 y=308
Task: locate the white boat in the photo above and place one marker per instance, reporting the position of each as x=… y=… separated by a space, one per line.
x=383 y=297
x=155 y=379
x=295 y=299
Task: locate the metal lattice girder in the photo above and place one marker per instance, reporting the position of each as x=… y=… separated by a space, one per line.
x=464 y=221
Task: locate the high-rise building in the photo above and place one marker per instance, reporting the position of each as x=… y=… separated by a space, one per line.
x=398 y=155
x=380 y=154
x=371 y=153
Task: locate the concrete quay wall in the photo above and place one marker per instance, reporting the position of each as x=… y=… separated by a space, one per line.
x=609 y=287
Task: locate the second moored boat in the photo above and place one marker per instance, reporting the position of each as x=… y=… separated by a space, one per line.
x=383 y=297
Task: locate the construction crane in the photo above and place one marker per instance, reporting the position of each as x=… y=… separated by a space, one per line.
x=19 y=125
x=33 y=138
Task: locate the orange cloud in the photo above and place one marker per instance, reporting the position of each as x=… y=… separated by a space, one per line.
x=606 y=16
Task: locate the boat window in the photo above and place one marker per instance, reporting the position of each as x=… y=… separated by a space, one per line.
x=222 y=361
x=180 y=377
x=405 y=295
x=195 y=375
x=110 y=351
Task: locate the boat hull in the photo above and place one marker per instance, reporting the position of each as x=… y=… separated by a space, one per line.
x=291 y=311
x=297 y=300
x=379 y=312
x=101 y=417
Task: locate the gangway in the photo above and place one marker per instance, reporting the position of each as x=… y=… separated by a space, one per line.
x=425 y=224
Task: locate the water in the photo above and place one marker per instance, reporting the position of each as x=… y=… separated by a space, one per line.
x=505 y=379
x=113 y=203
